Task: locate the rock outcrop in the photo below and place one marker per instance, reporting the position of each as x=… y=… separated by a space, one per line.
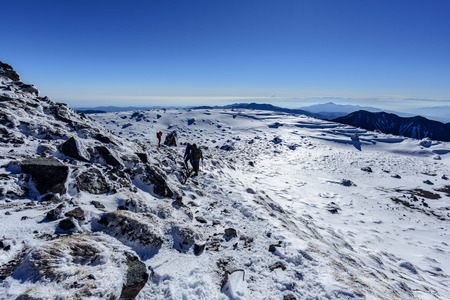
x=49 y=174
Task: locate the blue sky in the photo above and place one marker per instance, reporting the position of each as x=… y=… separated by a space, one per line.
x=143 y=53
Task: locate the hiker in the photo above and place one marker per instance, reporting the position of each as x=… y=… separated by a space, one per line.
x=196 y=155
x=158 y=136
x=187 y=155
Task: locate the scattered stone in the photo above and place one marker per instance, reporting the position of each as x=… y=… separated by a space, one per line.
x=346 y=182
x=198 y=249
x=277 y=265
x=49 y=174
x=251 y=164
x=230 y=233
x=227 y=148
x=66 y=224
x=408 y=266
x=428 y=182
x=367 y=169
x=444 y=177
x=76 y=213
x=250 y=191
x=97 y=204
x=73 y=147
x=277 y=140
x=137 y=277
x=24 y=218
x=201 y=220
x=275 y=125
x=216 y=222
x=55 y=213
x=396 y=176
x=333 y=208
x=289 y=297
x=273 y=248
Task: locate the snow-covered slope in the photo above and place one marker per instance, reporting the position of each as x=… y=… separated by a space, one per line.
x=348 y=218
x=285 y=207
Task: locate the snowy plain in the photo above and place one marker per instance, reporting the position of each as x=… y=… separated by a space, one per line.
x=349 y=218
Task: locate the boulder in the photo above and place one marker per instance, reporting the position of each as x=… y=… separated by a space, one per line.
x=49 y=174
x=55 y=213
x=108 y=156
x=160 y=187
x=137 y=277
x=76 y=213
x=84 y=264
x=66 y=224
x=171 y=139
x=143 y=157
x=75 y=148
x=183 y=237
x=92 y=181
x=140 y=231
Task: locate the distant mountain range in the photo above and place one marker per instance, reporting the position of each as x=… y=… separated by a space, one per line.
x=332 y=110
x=257 y=106
x=415 y=127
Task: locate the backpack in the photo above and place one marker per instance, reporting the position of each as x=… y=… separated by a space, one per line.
x=197 y=154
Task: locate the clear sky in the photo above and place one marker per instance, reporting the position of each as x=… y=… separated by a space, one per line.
x=143 y=53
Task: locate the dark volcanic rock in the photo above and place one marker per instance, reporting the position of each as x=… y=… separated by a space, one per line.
x=108 y=156
x=137 y=277
x=49 y=174
x=74 y=148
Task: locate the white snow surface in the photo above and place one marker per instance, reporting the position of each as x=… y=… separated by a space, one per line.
x=280 y=186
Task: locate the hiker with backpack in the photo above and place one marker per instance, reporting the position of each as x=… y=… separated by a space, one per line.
x=196 y=155
x=187 y=155
x=158 y=136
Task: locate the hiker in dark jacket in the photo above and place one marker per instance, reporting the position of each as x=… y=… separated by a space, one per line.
x=187 y=155
x=196 y=155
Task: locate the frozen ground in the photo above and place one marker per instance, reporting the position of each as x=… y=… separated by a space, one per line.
x=384 y=234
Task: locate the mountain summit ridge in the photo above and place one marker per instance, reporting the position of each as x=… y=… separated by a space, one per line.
x=417 y=127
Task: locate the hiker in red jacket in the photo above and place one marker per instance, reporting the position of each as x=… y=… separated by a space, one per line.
x=159 y=135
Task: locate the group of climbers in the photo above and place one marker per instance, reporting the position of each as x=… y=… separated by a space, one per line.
x=192 y=153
